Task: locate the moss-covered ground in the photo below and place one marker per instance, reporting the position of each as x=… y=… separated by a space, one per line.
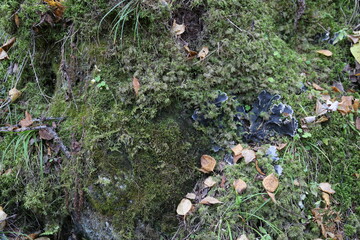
x=134 y=156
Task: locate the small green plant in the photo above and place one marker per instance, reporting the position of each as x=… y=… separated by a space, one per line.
x=100 y=83
x=126 y=9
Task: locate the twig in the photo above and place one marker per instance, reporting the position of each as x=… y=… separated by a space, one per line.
x=58 y=140
x=241 y=30
x=10 y=129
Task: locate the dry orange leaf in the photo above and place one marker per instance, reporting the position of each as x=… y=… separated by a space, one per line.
x=335 y=89
x=203 y=53
x=240 y=186
x=272 y=196
x=14 y=94
x=136 y=85
x=237 y=149
x=326 y=187
x=270 y=183
x=357 y=123
x=178 y=29
x=210 y=200
x=191 y=54
x=258 y=168
x=317 y=87
x=325 y=52
x=184 y=207
x=326 y=198
x=27 y=121
x=207 y=163
x=249 y=155
x=57 y=7
x=345 y=106
x=209 y=182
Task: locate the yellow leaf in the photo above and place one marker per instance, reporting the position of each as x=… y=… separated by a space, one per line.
x=207 y=163
x=177 y=29
x=240 y=186
x=184 y=207
x=325 y=52
x=270 y=183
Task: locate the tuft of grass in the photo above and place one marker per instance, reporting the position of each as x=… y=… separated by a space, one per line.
x=125 y=10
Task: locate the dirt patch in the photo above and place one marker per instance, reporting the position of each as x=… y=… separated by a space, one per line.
x=194 y=25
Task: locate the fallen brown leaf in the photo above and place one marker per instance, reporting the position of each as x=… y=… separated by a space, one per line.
x=6 y=46
x=236 y=158
x=270 y=183
x=177 y=29
x=237 y=149
x=249 y=155
x=17 y=20
x=184 y=207
x=258 y=168
x=207 y=163
x=335 y=89
x=240 y=186
x=136 y=85
x=209 y=182
x=322 y=119
x=320 y=108
x=3 y=54
x=345 y=106
x=27 y=121
x=325 y=52
x=317 y=87
x=326 y=187
x=45 y=134
x=210 y=200
x=203 y=53
x=190 y=53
